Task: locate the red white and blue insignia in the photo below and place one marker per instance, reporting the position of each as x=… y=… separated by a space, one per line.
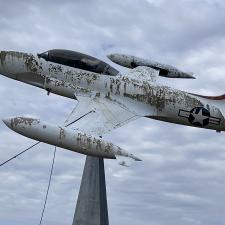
x=199 y=116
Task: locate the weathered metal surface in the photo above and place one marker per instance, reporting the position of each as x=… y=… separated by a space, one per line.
x=97 y=116
x=60 y=87
x=65 y=138
x=135 y=93
x=164 y=70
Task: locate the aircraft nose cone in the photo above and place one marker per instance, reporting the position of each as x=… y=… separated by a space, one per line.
x=7 y=122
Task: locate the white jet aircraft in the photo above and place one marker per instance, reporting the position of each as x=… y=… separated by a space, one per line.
x=106 y=98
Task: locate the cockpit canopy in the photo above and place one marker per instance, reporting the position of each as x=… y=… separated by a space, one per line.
x=78 y=60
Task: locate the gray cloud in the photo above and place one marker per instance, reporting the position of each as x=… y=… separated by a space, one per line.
x=181 y=178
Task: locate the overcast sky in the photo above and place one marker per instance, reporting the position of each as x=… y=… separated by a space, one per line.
x=182 y=177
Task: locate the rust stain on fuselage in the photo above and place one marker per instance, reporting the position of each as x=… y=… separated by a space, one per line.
x=62 y=133
x=3 y=57
x=23 y=120
x=108 y=86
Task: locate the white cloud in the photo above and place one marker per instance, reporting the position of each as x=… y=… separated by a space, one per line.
x=181 y=178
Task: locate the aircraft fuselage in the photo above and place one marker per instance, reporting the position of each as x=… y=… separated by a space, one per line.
x=145 y=98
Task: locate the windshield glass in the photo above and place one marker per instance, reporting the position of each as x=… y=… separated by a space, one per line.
x=44 y=55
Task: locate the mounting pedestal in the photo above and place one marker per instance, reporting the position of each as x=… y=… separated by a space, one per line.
x=91 y=208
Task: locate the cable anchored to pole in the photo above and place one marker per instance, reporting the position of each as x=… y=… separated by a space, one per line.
x=49 y=183
x=19 y=153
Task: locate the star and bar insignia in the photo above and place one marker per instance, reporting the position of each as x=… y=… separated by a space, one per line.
x=199 y=116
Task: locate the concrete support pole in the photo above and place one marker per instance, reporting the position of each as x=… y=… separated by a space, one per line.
x=91 y=208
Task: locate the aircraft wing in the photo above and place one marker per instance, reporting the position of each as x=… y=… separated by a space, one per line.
x=98 y=116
